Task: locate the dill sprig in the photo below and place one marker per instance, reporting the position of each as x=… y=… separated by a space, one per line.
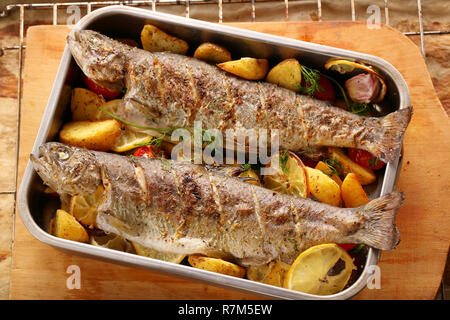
x=312 y=78
x=335 y=167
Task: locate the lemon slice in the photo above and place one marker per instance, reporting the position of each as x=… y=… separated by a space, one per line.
x=322 y=270
x=343 y=66
x=112 y=241
x=290 y=177
x=151 y=253
x=252 y=177
x=130 y=139
x=84 y=207
x=111 y=106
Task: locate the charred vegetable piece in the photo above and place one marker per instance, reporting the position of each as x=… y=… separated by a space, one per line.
x=106 y=93
x=365 y=159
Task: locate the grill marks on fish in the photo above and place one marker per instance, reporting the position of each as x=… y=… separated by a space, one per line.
x=184 y=208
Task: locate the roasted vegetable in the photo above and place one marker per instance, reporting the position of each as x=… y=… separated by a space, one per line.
x=323 y=188
x=212 y=52
x=216 y=265
x=154 y=40
x=104 y=92
x=96 y=135
x=365 y=176
x=149 y=151
x=247 y=68
x=329 y=171
x=286 y=74
x=364 y=87
x=365 y=159
x=85 y=104
x=353 y=193
x=65 y=226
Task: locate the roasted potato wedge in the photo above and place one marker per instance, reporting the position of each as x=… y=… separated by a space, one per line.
x=272 y=273
x=323 y=188
x=65 y=226
x=286 y=74
x=365 y=176
x=154 y=39
x=322 y=166
x=85 y=104
x=216 y=265
x=95 y=135
x=212 y=52
x=353 y=193
x=247 y=68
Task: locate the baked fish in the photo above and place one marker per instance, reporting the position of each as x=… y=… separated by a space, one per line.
x=166 y=90
x=183 y=208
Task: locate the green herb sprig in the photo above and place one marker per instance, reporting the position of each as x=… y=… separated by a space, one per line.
x=312 y=78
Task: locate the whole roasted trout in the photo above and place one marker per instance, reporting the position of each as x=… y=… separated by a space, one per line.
x=168 y=90
x=184 y=208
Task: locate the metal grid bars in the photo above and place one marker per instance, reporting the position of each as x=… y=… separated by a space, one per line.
x=90 y=5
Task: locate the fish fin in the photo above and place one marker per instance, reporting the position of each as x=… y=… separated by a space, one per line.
x=394 y=126
x=380 y=231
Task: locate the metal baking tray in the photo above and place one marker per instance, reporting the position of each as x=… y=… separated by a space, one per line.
x=127 y=22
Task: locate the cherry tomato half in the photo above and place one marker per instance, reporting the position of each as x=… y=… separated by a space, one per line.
x=106 y=93
x=149 y=152
x=347 y=246
x=365 y=159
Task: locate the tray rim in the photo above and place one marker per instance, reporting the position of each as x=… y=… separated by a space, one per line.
x=182 y=271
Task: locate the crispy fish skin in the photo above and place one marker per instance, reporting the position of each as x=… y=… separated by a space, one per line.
x=184 y=208
x=170 y=90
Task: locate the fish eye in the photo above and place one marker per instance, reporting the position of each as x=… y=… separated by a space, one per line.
x=62 y=154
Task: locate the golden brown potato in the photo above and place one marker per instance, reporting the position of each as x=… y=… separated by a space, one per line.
x=65 y=226
x=365 y=176
x=216 y=265
x=155 y=40
x=95 y=135
x=272 y=273
x=286 y=74
x=323 y=188
x=322 y=166
x=212 y=52
x=247 y=68
x=84 y=104
x=353 y=193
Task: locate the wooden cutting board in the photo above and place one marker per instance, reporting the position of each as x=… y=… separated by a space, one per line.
x=412 y=271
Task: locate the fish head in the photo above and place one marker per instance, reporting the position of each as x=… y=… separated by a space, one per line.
x=101 y=58
x=67 y=169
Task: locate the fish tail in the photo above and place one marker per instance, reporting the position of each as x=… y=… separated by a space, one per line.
x=393 y=127
x=380 y=231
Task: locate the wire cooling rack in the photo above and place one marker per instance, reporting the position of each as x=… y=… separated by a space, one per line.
x=88 y=6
